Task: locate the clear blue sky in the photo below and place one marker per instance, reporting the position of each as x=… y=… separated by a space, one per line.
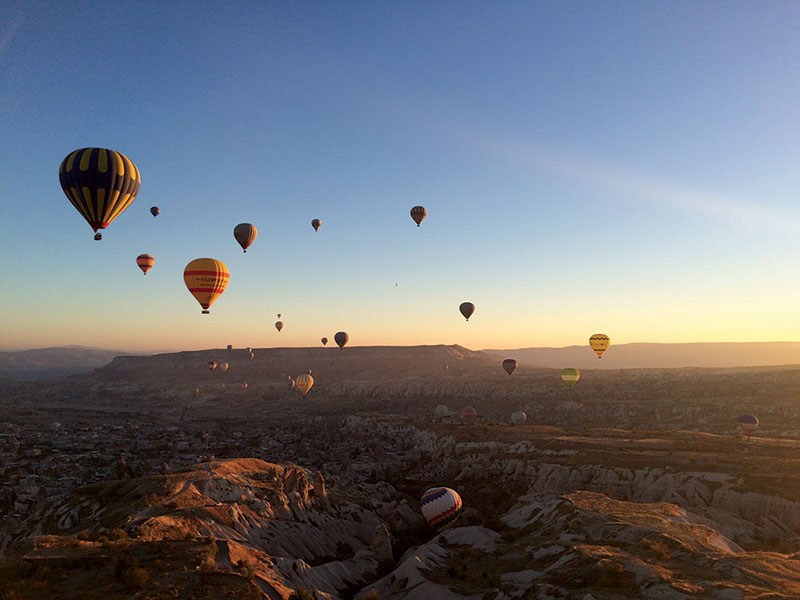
x=624 y=167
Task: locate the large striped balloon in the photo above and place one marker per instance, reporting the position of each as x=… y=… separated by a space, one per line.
x=599 y=342
x=418 y=213
x=245 y=234
x=570 y=376
x=440 y=506
x=100 y=184
x=206 y=279
x=145 y=262
x=304 y=382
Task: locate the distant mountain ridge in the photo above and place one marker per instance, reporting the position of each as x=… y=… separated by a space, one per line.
x=653 y=355
x=61 y=361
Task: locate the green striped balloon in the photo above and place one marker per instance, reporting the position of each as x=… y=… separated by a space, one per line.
x=570 y=376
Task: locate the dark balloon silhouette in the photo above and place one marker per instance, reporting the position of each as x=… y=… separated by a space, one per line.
x=467 y=308
x=418 y=213
x=341 y=338
x=245 y=234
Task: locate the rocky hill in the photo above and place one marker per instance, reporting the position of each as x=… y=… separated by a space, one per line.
x=53 y=362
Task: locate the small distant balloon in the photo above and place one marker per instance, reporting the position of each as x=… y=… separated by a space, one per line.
x=440 y=411
x=570 y=376
x=518 y=417
x=252 y=356
x=509 y=365
x=224 y=366
x=418 y=213
x=469 y=413
x=279 y=325
x=440 y=506
x=467 y=308
x=304 y=382
x=324 y=341
x=245 y=234
x=145 y=262
x=341 y=338
x=244 y=385
x=212 y=364
x=599 y=342
x=230 y=347
x=748 y=424
x=196 y=391
x=155 y=211
x=290 y=384
x=315 y=223
x=279 y=315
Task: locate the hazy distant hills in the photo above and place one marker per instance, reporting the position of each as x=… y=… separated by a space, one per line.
x=646 y=355
x=62 y=361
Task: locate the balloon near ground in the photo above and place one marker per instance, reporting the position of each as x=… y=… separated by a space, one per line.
x=245 y=234
x=243 y=385
x=570 y=376
x=206 y=279
x=509 y=365
x=341 y=338
x=466 y=309
x=418 y=213
x=251 y=356
x=145 y=262
x=230 y=347
x=315 y=223
x=100 y=184
x=223 y=366
x=748 y=424
x=469 y=413
x=440 y=506
x=212 y=364
x=518 y=417
x=304 y=382
x=599 y=342
x=440 y=411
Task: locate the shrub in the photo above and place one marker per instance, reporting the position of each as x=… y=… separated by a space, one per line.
x=301 y=594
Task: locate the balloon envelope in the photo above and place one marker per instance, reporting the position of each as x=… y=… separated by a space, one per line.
x=145 y=262
x=440 y=411
x=324 y=341
x=469 y=413
x=245 y=234
x=230 y=347
x=440 y=506
x=418 y=213
x=206 y=279
x=155 y=211
x=467 y=308
x=748 y=423
x=212 y=364
x=518 y=417
x=100 y=184
x=570 y=376
x=279 y=325
x=224 y=366
x=599 y=342
x=315 y=223
x=341 y=338
x=252 y=356
x=509 y=365
x=304 y=382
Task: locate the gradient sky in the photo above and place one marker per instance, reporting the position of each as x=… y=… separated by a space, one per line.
x=624 y=167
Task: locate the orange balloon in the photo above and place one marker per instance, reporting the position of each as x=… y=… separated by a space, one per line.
x=206 y=279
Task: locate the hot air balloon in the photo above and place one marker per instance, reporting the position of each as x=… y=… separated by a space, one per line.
x=206 y=279
x=100 y=184
x=518 y=417
x=440 y=506
x=243 y=385
x=279 y=326
x=224 y=366
x=748 y=423
x=279 y=315
x=440 y=411
x=249 y=350
x=145 y=262
x=418 y=213
x=599 y=343
x=509 y=365
x=341 y=338
x=469 y=413
x=290 y=383
x=304 y=382
x=315 y=224
x=230 y=347
x=570 y=376
x=155 y=211
x=196 y=391
x=245 y=234
x=324 y=341
x=212 y=364
x=446 y=367
x=467 y=308
x=252 y=356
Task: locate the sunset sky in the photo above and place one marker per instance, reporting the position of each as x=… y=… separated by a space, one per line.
x=630 y=168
